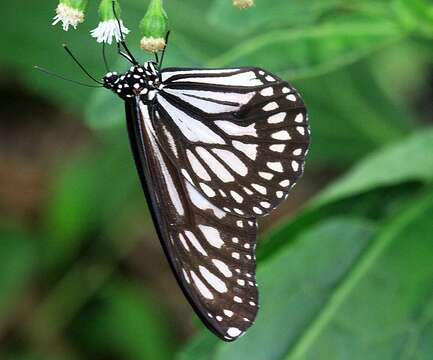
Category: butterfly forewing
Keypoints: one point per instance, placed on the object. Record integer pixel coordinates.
(241, 135)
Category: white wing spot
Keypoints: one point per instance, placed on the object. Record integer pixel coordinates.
(267, 92)
(257, 210)
(236, 255)
(265, 204)
(291, 97)
(300, 130)
(186, 175)
(240, 223)
(270, 78)
(297, 152)
(295, 165)
(281, 135)
(222, 267)
(266, 175)
(248, 191)
(233, 332)
(201, 287)
(240, 282)
(228, 313)
(183, 241)
(212, 236)
(213, 280)
(198, 168)
(207, 190)
(277, 118)
(238, 198)
(219, 318)
(276, 166)
(277, 147)
(185, 275)
(279, 194)
(235, 240)
(237, 299)
(271, 106)
(285, 183)
(299, 118)
(261, 189)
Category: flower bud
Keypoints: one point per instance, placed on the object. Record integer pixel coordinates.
(70, 13)
(154, 27)
(243, 4)
(109, 28)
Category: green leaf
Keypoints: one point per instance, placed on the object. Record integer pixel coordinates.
(308, 52)
(295, 284)
(17, 263)
(409, 160)
(384, 306)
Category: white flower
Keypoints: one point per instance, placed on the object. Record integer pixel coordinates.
(152, 44)
(108, 29)
(68, 16)
(243, 4)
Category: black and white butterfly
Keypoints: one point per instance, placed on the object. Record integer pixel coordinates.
(215, 149)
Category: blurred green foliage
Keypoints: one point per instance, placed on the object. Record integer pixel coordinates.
(348, 277)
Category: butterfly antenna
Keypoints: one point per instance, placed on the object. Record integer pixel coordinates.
(104, 56)
(163, 51)
(79, 64)
(130, 57)
(45, 71)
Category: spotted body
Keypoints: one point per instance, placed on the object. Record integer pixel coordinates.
(215, 149)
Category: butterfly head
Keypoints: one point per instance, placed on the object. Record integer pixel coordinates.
(138, 81)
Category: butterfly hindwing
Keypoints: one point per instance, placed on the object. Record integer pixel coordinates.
(211, 252)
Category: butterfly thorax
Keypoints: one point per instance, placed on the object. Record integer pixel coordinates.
(140, 80)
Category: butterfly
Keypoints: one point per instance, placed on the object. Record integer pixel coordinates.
(215, 149)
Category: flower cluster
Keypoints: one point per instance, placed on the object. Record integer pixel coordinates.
(153, 26)
(71, 13)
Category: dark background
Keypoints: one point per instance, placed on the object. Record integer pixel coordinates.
(345, 265)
